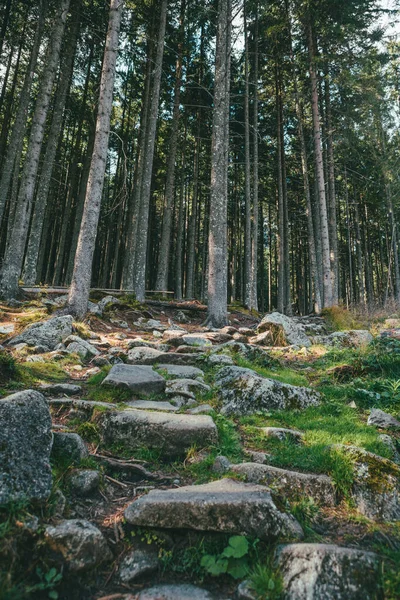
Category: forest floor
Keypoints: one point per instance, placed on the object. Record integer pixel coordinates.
(352, 381)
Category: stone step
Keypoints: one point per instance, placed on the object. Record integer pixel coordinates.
(172, 434)
(316, 571)
(152, 405)
(226, 506)
(139, 379)
(291, 484)
(150, 356)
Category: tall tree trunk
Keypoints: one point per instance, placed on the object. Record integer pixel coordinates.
(163, 261)
(217, 241)
(247, 167)
(319, 172)
(143, 220)
(14, 150)
(5, 18)
(14, 255)
(253, 296)
(51, 149)
(333, 235)
(80, 286)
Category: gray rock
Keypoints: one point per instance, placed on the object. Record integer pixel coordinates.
(376, 487)
(68, 389)
(138, 379)
(221, 465)
(196, 339)
(174, 334)
(7, 329)
(151, 356)
(181, 371)
(100, 361)
(387, 440)
(198, 410)
(25, 445)
(82, 347)
(84, 481)
(280, 433)
(77, 544)
(186, 387)
(152, 405)
(382, 420)
(108, 301)
(262, 339)
(171, 433)
(94, 309)
(141, 343)
(260, 458)
(69, 446)
(222, 506)
(328, 572)
(45, 333)
(291, 484)
(58, 503)
(84, 405)
(137, 563)
(244, 591)
(348, 339)
(244, 392)
(174, 592)
(220, 360)
(293, 333)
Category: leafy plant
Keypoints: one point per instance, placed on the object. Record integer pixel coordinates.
(233, 560)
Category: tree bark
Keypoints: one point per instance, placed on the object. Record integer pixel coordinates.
(30, 272)
(14, 255)
(217, 241)
(80, 286)
(163, 261)
(247, 167)
(14, 150)
(319, 172)
(143, 220)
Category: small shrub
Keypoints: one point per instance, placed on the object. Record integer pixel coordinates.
(233, 560)
(8, 367)
(266, 582)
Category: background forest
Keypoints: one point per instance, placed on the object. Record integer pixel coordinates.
(312, 156)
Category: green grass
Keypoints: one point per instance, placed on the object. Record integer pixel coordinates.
(283, 374)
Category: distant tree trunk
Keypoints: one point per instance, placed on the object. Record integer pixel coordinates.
(14, 150)
(67, 65)
(247, 167)
(333, 235)
(253, 296)
(179, 237)
(143, 220)
(5, 19)
(217, 244)
(14, 255)
(360, 258)
(319, 171)
(191, 243)
(163, 261)
(81, 277)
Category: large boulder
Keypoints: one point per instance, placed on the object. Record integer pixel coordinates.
(77, 544)
(181, 372)
(183, 591)
(151, 356)
(77, 345)
(347, 339)
(328, 572)
(290, 484)
(383, 420)
(293, 333)
(172, 434)
(226, 506)
(25, 446)
(376, 485)
(45, 333)
(244, 392)
(139, 379)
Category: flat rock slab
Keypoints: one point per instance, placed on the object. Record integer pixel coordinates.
(77, 544)
(150, 356)
(25, 446)
(348, 339)
(383, 420)
(226, 506)
(244, 392)
(181, 372)
(152, 405)
(291, 484)
(171, 433)
(280, 433)
(45, 333)
(87, 405)
(196, 339)
(294, 334)
(139, 379)
(376, 487)
(69, 389)
(137, 563)
(328, 572)
(175, 592)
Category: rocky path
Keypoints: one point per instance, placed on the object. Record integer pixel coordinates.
(165, 446)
